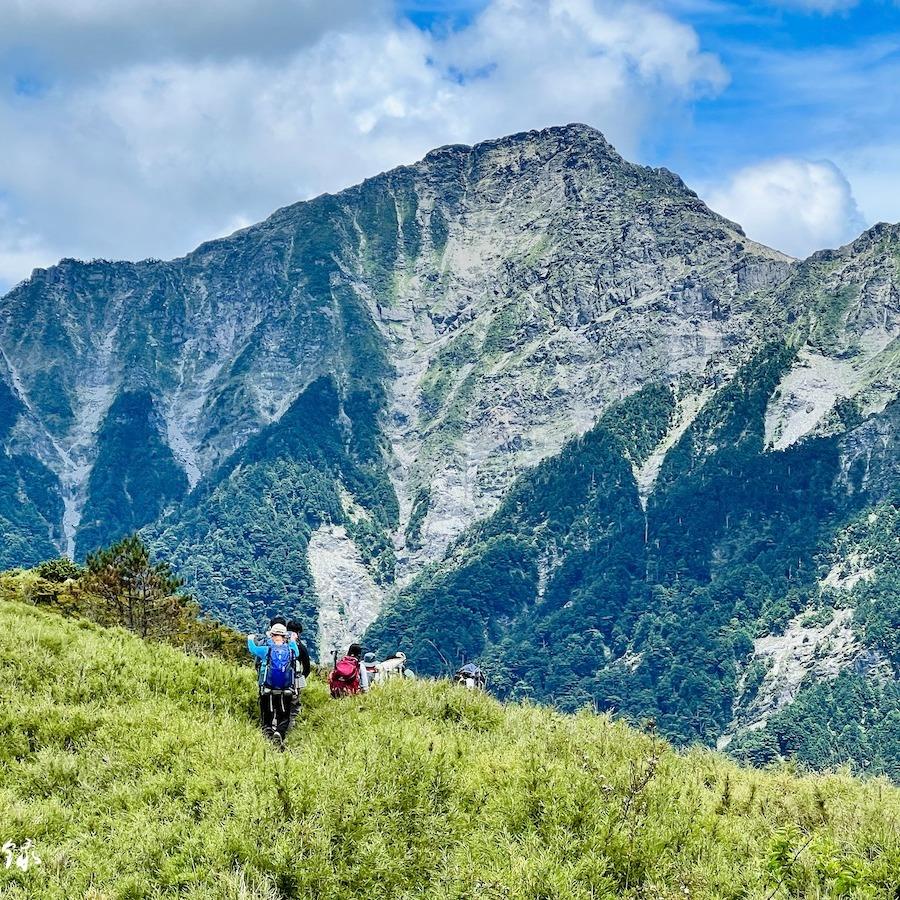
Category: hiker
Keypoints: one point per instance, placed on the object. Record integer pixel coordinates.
(394, 666)
(372, 667)
(471, 677)
(302, 664)
(277, 675)
(349, 675)
(262, 639)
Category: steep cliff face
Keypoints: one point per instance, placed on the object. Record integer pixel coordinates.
(845, 308)
(222, 341)
(483, 305)
(562, 278)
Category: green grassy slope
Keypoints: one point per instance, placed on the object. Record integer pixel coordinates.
(138, 772)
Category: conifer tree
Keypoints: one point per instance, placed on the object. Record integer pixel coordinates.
(135, 592)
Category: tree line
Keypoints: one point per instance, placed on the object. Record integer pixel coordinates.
(123, 585)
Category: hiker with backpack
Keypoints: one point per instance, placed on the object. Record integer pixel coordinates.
(373, 672)
(349, 675)
(394, 667)
(470, 676)
(277, 680)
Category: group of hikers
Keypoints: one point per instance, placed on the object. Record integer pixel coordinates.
(283, 665)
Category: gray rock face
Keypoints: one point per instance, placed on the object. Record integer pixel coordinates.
(870, 459)
(801, 652)
(846, 308)
(565, 278)
(517, 287)
(350, 600)
(215, 338)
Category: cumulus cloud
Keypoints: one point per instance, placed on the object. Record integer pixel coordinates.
(153, 155)
(794, 205)
(19, 251)
(78, 37)
(872, 170)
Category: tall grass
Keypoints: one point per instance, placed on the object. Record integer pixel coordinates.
(139, 772)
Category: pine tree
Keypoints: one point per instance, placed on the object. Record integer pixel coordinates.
(135, 592)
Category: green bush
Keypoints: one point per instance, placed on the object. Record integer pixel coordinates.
(123, 585)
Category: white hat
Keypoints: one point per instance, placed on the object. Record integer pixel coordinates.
(278, 628)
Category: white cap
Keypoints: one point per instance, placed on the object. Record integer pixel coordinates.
(279, 629)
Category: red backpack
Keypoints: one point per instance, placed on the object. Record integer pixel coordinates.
(344, 678)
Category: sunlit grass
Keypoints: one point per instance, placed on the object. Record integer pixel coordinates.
(139, 772)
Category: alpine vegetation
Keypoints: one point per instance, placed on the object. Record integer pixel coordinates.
(131, 769)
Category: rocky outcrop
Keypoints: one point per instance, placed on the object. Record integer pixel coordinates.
(807, 649)
(475, 311)
(349, 599)
(870, 458)
(846, 308)
(310, 412)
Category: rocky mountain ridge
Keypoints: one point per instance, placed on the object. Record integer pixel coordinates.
(473, 252)
(318, 408)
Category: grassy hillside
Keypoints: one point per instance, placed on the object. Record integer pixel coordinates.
(138, 772)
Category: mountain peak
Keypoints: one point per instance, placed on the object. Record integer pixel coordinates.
(879, 232)
(574, 132)
(873, 238)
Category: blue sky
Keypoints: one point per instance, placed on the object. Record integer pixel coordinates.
(136, 128)
(817, 80)
(800, 83)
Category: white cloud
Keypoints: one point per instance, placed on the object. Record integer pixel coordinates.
(873, 171)
(20, 252)
(153, 156)
(794, 205)
(613, 65)
(82, 36)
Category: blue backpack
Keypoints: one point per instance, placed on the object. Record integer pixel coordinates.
(279, 668)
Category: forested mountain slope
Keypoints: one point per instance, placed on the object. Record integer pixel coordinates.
(581, 590)
(137, 771)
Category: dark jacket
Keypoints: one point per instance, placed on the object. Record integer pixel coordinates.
(302, 655)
